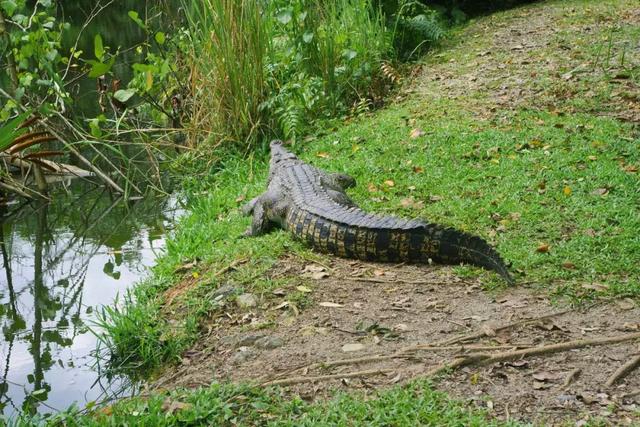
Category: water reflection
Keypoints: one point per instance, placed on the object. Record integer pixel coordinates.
(60, 260)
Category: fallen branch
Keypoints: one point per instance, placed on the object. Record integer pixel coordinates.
(300, 380)
(482, 334)
(623, 371)
(483, 359)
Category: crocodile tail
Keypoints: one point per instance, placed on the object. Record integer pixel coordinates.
(456, 246)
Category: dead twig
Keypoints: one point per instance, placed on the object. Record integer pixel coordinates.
(571, 377)
(300, 380)
(623, 371)
(482, 334)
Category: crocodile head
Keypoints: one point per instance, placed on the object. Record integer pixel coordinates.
(279, 153)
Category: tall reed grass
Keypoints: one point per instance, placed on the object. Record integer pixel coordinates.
(274, 68)
(230, 42)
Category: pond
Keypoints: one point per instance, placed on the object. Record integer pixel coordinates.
(60, 262)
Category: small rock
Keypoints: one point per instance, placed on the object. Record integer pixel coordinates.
(246, 300)
(269, 343)
(224, 291)
(242, 355)
(347, 348)
(566, 400)
(249, 340)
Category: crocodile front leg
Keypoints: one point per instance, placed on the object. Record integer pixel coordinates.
(263, 209)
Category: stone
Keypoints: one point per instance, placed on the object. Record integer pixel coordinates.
(224, 291)
(242, 355)
(249, 340)
(269, 343)
(246, 300)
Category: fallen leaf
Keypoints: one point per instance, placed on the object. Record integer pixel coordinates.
(474, 379)
(410, 202)
(411, 188)
(347, 348)
(543, 248)
(628, 326)
(544, 376)
(539, 385)
(279, 292)
(631, 168)
(171, 406)
(626, 304)
(303, 289)
(372, 187)
(568, 265)
(518, 364)
(281, 306)
(535, 143)
(330, 304)
(323, 155)
(488, 330)
(434, 199)
(418, 169)
(186, 266)
(313, 268)
(600, 192)
(416, 133)
(319, 275)
(592, 158)
(401, 327)
(389, 183)
(600, 287)
(378, 273)
(240, 198)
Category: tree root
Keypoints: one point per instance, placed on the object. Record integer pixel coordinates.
(483, 359)
(482, 334)
(623, 371)
(300, 380)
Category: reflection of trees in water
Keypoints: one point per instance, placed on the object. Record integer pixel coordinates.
(58, 242)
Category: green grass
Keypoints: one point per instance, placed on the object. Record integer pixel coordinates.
(226, 405)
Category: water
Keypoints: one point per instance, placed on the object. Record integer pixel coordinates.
(60, 262)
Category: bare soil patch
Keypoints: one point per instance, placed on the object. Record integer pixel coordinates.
(373, 311)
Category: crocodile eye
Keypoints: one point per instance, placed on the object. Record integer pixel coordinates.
(345, 181)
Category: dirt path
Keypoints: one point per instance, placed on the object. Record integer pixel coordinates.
(358, 310)
(535, 56)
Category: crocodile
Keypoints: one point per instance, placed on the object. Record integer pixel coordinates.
(313, 205)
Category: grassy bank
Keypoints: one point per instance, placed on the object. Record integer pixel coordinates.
(226, 404)
(551, 181)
